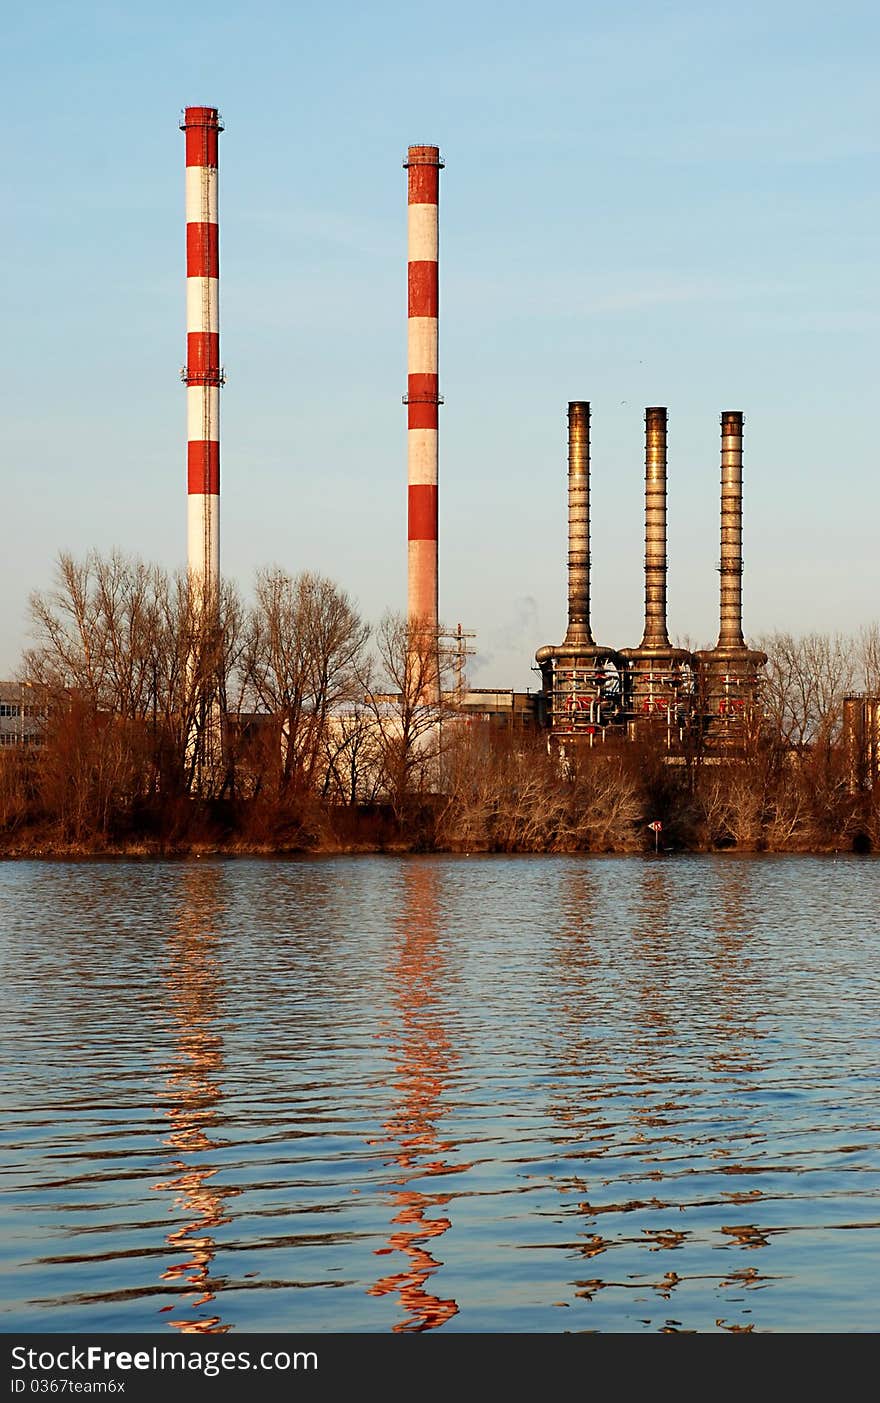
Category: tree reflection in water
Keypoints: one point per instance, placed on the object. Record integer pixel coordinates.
(424, 1059)
(194, 985)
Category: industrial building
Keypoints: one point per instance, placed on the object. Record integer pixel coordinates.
(24, 714)
(590, 691)
(501, 708)
(594, 691)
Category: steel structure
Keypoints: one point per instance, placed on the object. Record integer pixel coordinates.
(202, 373)
(580, 677)
(657, 677)
(590, 691)
(728, 673)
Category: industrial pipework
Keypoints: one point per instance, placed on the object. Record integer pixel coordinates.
(658, 677)
(422, 398)
(580, 679)
(728, 673)
(202, 373)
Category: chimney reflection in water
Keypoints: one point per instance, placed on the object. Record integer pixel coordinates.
(660, 1060)
(640, 1102)
(738, 999)
(424, 1058)
(194, 989)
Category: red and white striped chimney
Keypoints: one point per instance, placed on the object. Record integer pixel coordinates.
(422, 397)
(202, 373)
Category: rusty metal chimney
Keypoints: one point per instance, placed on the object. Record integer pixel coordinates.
(657, 680)
(731, 567)
(656, 634)
(579, 523)
(729, 672)
(580, 681)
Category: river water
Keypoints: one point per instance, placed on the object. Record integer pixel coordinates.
(458, 1094)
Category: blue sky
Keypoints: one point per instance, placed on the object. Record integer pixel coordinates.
(642, 204)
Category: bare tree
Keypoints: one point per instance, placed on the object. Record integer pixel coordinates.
(194, 661)
(407, 720)
(304, 645)
(868, 655)
(120, 641)
(96, 630)
(90, 770)
(352, 761)
(804, 683)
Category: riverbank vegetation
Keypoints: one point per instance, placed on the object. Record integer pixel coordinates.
(290, 727)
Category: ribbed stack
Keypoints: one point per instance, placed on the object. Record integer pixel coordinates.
(731, 634)
(656, 634)
(578, 523)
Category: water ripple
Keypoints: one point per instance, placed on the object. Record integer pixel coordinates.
(492, 1094)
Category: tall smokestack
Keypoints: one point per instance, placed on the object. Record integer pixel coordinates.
(656, 634)
(422, 398)
(729, 673)
(731, 634)
(202, 373)
(580, 691)
(657, 680)
(578, 523)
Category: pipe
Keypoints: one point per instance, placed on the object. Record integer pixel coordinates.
(579, 523)
(656, 634)
(422, 398)
(202, 373)
(731, 567)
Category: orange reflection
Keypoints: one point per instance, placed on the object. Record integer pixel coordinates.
(424, 1057)
(194, 987)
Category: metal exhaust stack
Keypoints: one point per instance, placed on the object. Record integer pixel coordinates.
(728, 673)
(578, 631)
(658, 676)
(731, 567)
(656, 634)
(580, 693)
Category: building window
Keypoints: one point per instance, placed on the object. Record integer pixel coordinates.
(9, 709)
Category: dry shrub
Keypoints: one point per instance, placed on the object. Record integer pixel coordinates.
(607, 806)
(18, 784)
(506, 791)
